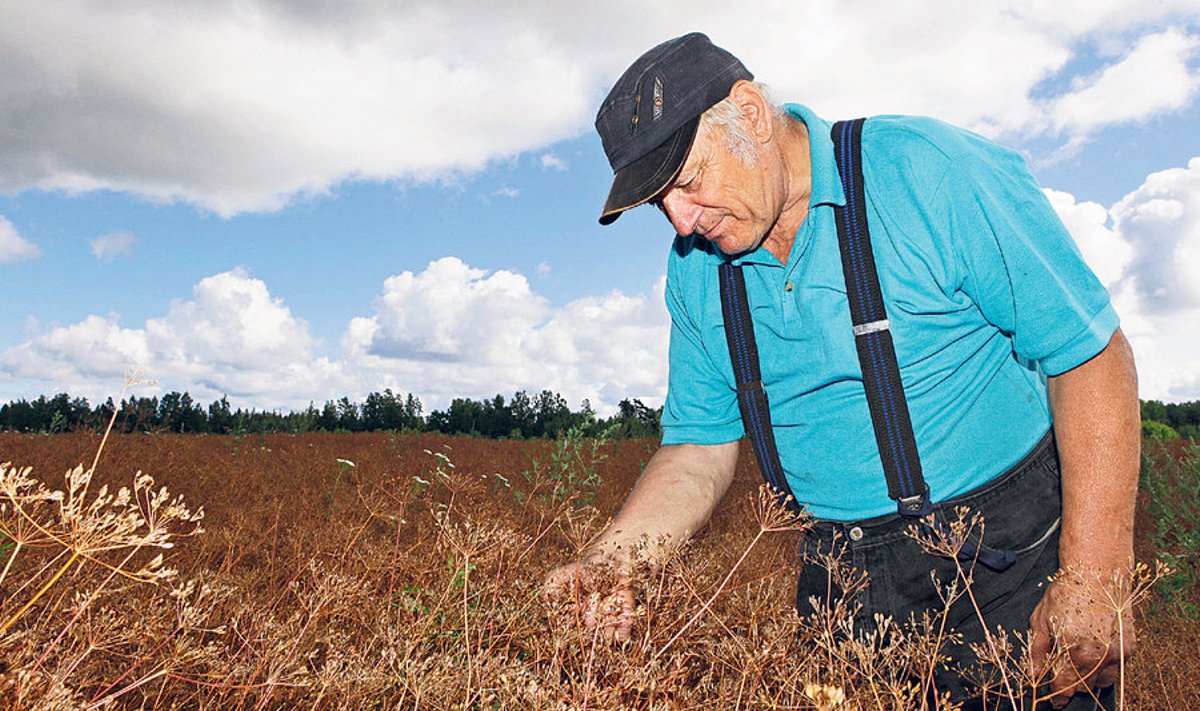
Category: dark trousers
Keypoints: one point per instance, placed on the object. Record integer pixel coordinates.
(1020, 510)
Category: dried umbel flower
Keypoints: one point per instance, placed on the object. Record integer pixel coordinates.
(771, 510)
(130, 518)
(86, 527)
(16, 485)
(826, 697)
(945, 533)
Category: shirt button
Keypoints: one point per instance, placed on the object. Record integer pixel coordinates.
(789, 286)
(856, 534)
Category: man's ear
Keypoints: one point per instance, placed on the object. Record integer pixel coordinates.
(755, 110)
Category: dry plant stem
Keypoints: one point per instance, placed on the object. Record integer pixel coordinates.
(270, 685)
(79, 660)
(45, 566)
(987, 635)
(33, 600)
(111, 697)
(543, 530)
(83, 608)
(135, 663)
(395, 557)
(466, 624)
(1084, 686)
(1121, 658)
(230, 687)
(1139, 580)
(11, 557)
(662, 584)
(76, 551)
(274, 542)
(587, 679)
(709, 602)
(130, 380)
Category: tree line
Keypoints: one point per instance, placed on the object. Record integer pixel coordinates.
(1171, 420)
(522, 416)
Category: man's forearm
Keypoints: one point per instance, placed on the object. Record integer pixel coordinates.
(676, 494)
(1097, 425)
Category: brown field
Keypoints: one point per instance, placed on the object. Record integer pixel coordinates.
(318, 585)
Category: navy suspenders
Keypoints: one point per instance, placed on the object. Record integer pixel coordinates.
(872, 340)
(872, 333)
(752, 396)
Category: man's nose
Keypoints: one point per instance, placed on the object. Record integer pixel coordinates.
(682, 213)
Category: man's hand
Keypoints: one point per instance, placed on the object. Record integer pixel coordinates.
(601, 591)
(674, 497)
(1076, 627)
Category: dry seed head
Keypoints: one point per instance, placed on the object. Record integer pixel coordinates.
(580, 526)
(772, 512)
(17, 485)
(945, 534)
(826, 697)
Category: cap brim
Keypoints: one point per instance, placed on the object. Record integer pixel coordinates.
(649, 175)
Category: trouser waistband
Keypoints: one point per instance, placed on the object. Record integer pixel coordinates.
(1044, 451)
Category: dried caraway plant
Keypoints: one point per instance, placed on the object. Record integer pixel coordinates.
(426, 594)
(72, 549)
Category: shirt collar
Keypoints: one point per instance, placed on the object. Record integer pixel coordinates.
(826, 183)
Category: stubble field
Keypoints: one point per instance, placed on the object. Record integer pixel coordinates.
(403, 571)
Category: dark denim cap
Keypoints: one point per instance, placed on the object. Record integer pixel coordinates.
(648, 121)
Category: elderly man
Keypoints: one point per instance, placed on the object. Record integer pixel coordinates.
(916, 286)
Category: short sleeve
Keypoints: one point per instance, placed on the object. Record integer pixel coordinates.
(701, 405)
(1019, 264)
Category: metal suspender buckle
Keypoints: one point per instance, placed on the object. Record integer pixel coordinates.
(864, 329)
(915, 505)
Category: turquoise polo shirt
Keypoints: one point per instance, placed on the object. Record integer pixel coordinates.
(985, 291)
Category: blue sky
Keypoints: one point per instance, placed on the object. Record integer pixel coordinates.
(290, 202)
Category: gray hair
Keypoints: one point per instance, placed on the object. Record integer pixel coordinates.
(726, 116)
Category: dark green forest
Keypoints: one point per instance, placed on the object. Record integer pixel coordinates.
(522, 416)
(1171, 420)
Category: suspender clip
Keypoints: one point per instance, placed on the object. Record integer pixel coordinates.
(915, 505)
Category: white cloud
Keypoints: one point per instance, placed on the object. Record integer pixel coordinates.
(543, 268)
(96, 348)
(109, 246)
(613, 345)
(14, 247)
(1146, 249)
(231, 338)
(507, 191)
(242, 106)
(1105, 252)
(448, 331)
(230, 320)
(1154, 77)
(453, 313)
(1162, 219)
(549, 161)
(456, 331)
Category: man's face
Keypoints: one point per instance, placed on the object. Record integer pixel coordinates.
(720, 197)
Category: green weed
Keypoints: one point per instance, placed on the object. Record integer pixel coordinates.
(343, 466)
(1173, 484)
(572, 473)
